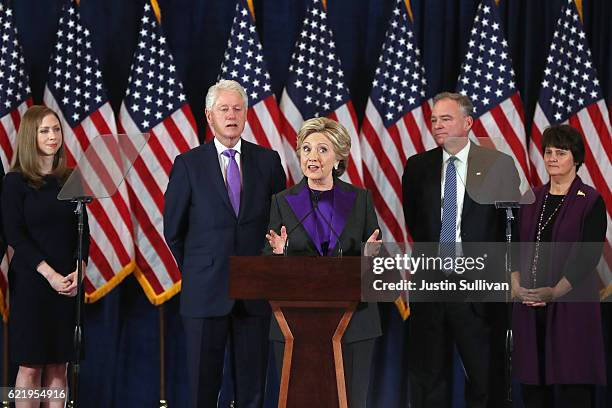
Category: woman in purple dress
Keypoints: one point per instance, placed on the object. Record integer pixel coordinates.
(556, 320)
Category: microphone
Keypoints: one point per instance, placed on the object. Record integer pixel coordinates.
(315, 202)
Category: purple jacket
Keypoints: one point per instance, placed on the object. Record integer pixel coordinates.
(574, 352)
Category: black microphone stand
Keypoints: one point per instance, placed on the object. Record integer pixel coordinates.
(316, 208)
(78, 332)
(300, 222)
(314, 198)
(509, 342)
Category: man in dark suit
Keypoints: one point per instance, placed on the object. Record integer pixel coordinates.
(454, 212)
(217, 204)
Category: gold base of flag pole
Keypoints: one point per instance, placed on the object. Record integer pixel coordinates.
(5, 359)
(162, 358)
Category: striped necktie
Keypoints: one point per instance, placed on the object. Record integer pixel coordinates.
(448, 232)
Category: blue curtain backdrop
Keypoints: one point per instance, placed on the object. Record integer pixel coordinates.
(121, 368)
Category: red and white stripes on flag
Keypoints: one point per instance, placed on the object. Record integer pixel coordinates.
(487, 77)
(244, 62)
(504, 126)
(9, 125)
(315, 87)
(155, 104)
(15, 99)
(396, 124)
(570, 93)
(75, 92)
(292, 120)
(111, 249)
(385, 152)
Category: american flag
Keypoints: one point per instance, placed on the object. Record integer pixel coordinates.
(315, 87)
(14, 101)
(155, 104)
(570, 93)
(15, 95)
(74, 90)
(244, 62)
(396, 123)
(487, 78)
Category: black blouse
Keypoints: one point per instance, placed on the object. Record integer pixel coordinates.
(593, 231)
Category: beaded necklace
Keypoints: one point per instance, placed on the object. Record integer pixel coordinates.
(540, 229)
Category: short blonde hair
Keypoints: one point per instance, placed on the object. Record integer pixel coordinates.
(335, 132)
(225, 85)
(25, 158)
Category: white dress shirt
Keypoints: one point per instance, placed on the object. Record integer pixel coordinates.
(461, 169)
(224, 160)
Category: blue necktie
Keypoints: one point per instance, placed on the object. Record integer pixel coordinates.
(233, 179)
(448, 232)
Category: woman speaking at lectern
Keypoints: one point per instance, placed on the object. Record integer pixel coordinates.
(336, 218)
(43, 272)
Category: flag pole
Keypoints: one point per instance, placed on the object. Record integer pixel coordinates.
(162, 316)
(162, 358)
(409, 8)
(156, 10)
(251, 8)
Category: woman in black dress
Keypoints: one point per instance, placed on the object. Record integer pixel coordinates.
(43, 233)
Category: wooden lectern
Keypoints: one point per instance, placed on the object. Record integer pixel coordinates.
(313, 299)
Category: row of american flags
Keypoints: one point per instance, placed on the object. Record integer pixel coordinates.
(126, 231)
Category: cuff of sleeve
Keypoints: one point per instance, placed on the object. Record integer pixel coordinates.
(35, 261)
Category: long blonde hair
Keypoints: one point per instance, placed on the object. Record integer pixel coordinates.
(26, 156)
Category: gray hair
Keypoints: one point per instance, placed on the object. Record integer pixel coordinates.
(465, 104)
(225, 85)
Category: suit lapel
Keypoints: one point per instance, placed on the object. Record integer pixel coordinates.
(344, 201)
(475, 173)
(249, 177)
(300, 203)
(211, 161)
(435, 199)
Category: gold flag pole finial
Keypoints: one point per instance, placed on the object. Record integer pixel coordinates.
(409, 8)
(251, 7)
(156, 10)
(580, 10)
(402, 307)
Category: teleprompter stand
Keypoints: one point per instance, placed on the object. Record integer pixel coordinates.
(99, 173)
(497, 179)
